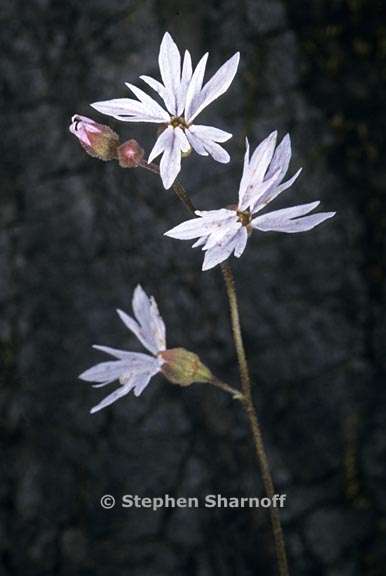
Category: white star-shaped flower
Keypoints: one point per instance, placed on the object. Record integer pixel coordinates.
(184, 97)
(134, 370)
(221, 232)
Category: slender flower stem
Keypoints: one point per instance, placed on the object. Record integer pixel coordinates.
(237, 394)
(246, 396)
(249, 408)
(177, 187)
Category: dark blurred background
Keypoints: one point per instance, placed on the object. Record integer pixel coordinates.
(77, 235)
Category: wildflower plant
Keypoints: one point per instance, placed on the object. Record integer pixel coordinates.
(219, 232)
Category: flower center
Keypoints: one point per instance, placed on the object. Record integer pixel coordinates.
(178, 122)
(244, 217)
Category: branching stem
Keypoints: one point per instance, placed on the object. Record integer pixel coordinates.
(246, 395)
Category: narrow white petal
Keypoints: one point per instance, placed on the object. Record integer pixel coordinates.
(288, 183)
(215, 215)
(113, 397)
(200, 242)
(222, 233)
(245, 175)
(219, 253)
(203, 226)
(193, 91)
(104, 371)
(298, 225)
(215, 87)
(186, 77)
(136, 359)
(210, 146)
(216, 151)
(261, 158)
(160, 144)
(158, 325)
(283, 220)
(129, 110)
(210, 133)
(103, 384)
(196, 143)
(281, 159)
(256, 191)
(141, 383)
(150, 104)
(292, 212)
(188, 230)
(183, 142)
(156, 85)
(146, 312)
(242, 239)
(138, 331)
(170, 164)
(170, 67)
(273, 192)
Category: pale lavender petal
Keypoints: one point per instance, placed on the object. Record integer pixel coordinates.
(138, 360)
(245, 176)
(129, 110)
(196, 143)
(210, 133)
(104, 371)
(292, 212)
(242, 239)
(160, 144)
(200, 242)
(141, 383)
(150, 104)
(196, 227)
(182, 140)
(281, 159)
(255, 191)
(261, 159)
(186, 77)
(283, 220)
(103, 384)
(214, 88)
(152, 326)
(158, 325)
(170, 67)
(273, 192)
(214, 215)
(170, 164)
(113, 397)
(216, 151)
(204, 142)
(223, 233)
(304, 224)
(195, 85)
(137, 330)
(219, 253)
(156, 85)
(188, 230)
(289, 182)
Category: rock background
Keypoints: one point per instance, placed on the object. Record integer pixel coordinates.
(76, 235)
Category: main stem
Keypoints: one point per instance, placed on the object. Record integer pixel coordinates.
(246, 397)
(249, 408)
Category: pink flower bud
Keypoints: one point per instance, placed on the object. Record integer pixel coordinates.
(98, 140)
(130, 154)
